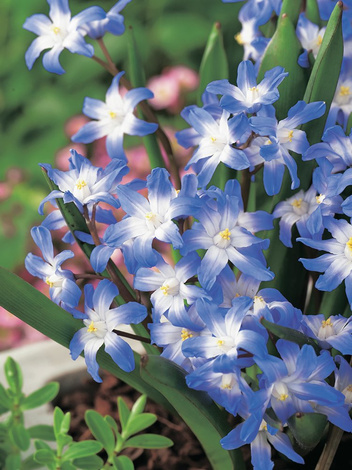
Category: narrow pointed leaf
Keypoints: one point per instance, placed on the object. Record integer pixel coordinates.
(138, 423)
(204, 418)
(139, 405)
(291, 9)
(124, 412)
(312, 12)
(324, 77)
(283, 50)
(214, 65)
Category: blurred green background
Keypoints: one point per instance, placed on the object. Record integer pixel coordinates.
(36, 104)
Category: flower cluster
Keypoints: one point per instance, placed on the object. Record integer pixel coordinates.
(207, 310)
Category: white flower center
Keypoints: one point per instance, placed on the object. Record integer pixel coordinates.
(222, 239)
(153, 220)
(300, 207)
(326, 329)
(348, 249)
(171, 286)
(280, 391)
(347, 391)
(228, 381)
(97, 328)
(54, 280)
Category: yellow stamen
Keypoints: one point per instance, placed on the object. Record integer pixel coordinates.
(344, 90)
(268, 142)
(349, 244)
(283, 397)
(50, 284)
(225, 234)
(348, 388)
(320, 198)
(319, 40)
(91, 327)
(239, 39)
(213, 139)
(290, 136)
(165, 289)
(226, 387)
(56, 29)
(81, 184)
(326, 323)
(149, 215)
(253, 88)
(258, 298)
(185, 334)
(297, 203)
(112, 114)
(220, 342)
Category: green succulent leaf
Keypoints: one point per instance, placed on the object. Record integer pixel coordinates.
(82, 449)
(13, 375)
(138, 423)
(112, 423)
(93, 462)
(124, 412)
(100, 430)
(5, 400)
(39, 445)
(139, 405)
(44, 456)
(312, 12)
(20, 436)
(148, 441)
(13, 462)
(40, 397)
(122, 462)
(42, 431)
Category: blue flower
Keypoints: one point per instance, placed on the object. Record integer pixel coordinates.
(216, 140)
(248, 96)
(310, 37)
(337, 265)
(63, 288)
(282, 137)
(114, 118)
(98, 328)
(218, 232)
(58, 33)
(113, 23)
(84, 183)
(170, 288)
(145, 220)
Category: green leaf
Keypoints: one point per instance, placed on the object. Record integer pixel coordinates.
(89, 463)
(19, 436)
(204, 418)
(13, 375)
(63, 440)
(307, 429)
(40, 397)
(39, 444)
(100, 430)
(44, 456)
(312, 12)
(13, 462)
(61, 421)
(148, 441)
(138, 423)
(324, 77)
(5, 400)
(82, 449)
(139, 405)
(290, 334)
(112, 423)
(284, 49)
(30, 464)
(349, 125)
(67, 466)
(291, 9)
(122, 462)
(124, 412)
(214, 65)
(42, 431)
(35, 309)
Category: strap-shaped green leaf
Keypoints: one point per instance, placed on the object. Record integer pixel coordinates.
(325, 74)
(284, 49)
(204, 418)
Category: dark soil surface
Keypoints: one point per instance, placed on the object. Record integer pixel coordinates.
(81, 393)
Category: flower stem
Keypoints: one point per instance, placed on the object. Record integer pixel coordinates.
(330, 449)
(132, 336)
